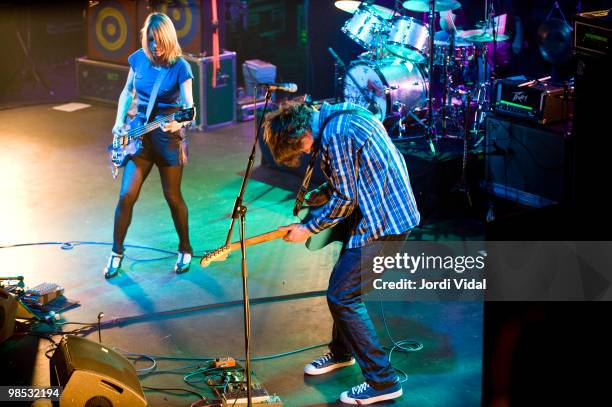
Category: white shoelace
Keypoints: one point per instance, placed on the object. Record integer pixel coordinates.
(360, 389)
(324, 359)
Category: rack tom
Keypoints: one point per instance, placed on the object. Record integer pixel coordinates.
(408, 39)
(367, 27)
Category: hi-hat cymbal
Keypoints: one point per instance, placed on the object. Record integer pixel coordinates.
(423, 5)
(351, 6)
(481, 36)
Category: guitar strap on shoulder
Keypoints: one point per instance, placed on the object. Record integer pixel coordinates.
(299, 200)
(160, 77)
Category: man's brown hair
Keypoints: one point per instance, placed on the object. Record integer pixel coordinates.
(284, 130)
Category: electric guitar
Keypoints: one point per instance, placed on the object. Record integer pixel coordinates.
(339, 233)
(119, 154)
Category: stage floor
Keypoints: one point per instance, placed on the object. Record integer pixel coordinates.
(57, 187)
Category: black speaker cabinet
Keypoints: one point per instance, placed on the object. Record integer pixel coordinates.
(216, 106)
(592, 140)
(94, 375)
(8, 309)
(100, 81)
(524, 162)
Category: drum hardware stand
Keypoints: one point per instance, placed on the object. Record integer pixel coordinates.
(463, 184)
(431, 128)
(403, 111)
(339, 67)
(487, 82)
(448, 82)
(239, 212)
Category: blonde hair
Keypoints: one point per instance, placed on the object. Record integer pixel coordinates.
(161, 28)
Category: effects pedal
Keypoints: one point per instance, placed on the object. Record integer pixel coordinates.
(224, 362)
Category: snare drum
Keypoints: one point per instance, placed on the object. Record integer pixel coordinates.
(366, 27)
(408, 39)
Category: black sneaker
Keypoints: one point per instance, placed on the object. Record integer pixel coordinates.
(366, 394)
(327, 363)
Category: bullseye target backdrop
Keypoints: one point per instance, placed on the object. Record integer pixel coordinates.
(112, 30)
(187, 18)
(192, 20)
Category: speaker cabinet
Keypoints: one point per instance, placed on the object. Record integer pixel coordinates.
(216, 106)
(8, 309)
(524, 162)
(592, 137)
(94, 375)
(100, 81)
(112, 30)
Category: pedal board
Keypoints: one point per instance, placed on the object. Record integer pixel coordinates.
(234, 392)
(44, 293)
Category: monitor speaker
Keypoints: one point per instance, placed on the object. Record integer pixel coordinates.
(93, 375)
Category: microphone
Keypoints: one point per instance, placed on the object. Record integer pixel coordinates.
(336, 57)
(287, 86)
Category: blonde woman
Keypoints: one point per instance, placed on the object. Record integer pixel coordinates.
(164, 147)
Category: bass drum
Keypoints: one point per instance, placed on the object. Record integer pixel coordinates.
(381, 86)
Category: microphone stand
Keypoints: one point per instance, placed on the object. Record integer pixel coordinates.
(339, 72)
(239, 212)
(431, 129)
(494, 32)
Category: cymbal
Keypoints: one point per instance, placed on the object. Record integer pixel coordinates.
(351, 6)
(423, 5)
(481, 36)
(555, 41)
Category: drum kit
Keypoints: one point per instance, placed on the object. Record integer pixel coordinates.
(408, 79)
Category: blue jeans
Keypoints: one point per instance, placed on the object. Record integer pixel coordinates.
(353, 331)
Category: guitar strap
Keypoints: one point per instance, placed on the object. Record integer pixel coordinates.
(299, 200)
(160, 77)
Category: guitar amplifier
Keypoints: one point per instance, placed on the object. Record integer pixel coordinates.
(216, 106)
(524, 163)
(536, 101)
(100, 81)
(593, 33)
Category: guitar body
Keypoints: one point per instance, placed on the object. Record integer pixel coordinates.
(339, 233)
(120, 154)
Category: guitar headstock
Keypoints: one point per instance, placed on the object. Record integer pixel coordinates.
(184, 115)
(219, 254)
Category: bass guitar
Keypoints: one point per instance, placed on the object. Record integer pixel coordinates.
(119, 154)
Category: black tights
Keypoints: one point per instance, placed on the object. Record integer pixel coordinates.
(134, 174)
